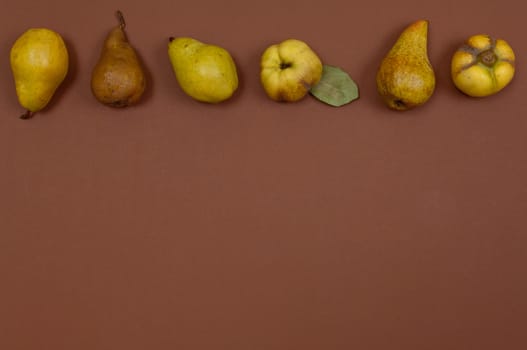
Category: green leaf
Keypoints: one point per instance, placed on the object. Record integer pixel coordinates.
(335, 87)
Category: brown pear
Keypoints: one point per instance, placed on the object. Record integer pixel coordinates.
(118, 79)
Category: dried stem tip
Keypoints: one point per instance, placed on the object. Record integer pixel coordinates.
(120, 18)
(27, 115)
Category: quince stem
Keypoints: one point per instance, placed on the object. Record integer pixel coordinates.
(488, 58)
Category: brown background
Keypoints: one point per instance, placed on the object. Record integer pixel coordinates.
(259, 225)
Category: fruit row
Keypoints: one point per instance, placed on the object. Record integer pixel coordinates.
(290, 70)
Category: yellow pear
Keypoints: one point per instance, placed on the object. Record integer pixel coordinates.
(205, 72)
(118, 79)
(39, 62)
(405, 78)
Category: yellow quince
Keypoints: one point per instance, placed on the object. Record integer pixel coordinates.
(482, 66)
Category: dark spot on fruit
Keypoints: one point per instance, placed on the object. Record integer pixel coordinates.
(399, 103)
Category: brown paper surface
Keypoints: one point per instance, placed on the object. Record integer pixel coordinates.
(253, 224)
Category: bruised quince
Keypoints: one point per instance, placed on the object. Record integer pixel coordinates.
(482, 66)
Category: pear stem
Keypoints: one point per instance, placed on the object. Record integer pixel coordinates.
(120, 18)
(27, 115)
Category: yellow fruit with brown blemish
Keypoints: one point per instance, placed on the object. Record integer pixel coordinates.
(482, 66)
(406, 78)
(288, 70)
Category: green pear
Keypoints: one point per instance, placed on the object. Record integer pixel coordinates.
(39, 62)
(405, 78)
(205, 72)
